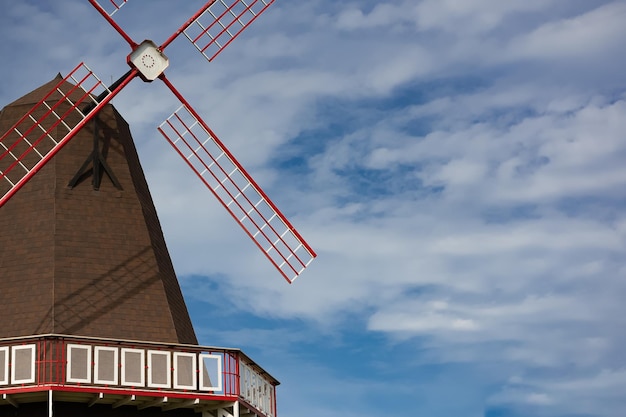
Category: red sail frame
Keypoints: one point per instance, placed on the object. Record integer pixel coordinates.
(30, 144)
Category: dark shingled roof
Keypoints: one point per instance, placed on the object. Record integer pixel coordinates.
(84, 262)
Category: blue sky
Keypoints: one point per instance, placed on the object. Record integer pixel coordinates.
(457, 165)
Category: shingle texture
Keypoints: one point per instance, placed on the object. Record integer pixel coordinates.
(84, 262)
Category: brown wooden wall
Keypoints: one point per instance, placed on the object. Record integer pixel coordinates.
(84, 262)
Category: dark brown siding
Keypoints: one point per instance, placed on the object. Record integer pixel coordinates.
(84, 262)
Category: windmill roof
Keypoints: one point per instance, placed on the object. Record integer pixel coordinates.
(84, 262)
(36, 95)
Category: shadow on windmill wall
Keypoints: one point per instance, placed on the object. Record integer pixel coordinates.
(86, 310)
(96, 166)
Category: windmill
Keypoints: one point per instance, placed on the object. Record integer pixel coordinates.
(77, 99)
(93, 321)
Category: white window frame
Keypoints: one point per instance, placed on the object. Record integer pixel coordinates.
(218, 359)
(70, 348)
(4, 377)
(151, 354)
(116, 365)
(194, 369)
(142, 354)
(33, 349)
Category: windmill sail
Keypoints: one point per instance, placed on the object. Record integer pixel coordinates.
(221, 23)
(38, 135)
(33, 140)
(218, 169)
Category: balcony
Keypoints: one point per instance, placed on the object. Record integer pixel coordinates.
(217, 381)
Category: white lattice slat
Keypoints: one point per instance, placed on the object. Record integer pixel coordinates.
(221, 23)
(237, 191)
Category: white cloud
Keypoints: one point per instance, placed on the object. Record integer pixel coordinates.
(588, 33)
(460, 173)
(382, 15)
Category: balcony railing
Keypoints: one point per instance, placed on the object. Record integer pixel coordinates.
(139, 369)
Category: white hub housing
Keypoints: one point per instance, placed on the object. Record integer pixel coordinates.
(149, 60)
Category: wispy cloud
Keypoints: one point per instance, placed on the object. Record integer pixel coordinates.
(458, 166)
